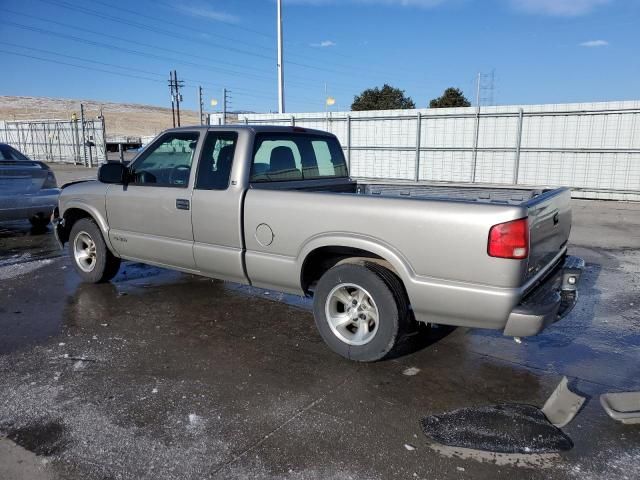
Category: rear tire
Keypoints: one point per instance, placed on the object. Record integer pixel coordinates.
(90, 256)
(39, 222)
(361, 311)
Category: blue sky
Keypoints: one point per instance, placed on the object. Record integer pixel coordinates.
(542, 51)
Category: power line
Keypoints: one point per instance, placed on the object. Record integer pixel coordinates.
(126, 21)
(128, 50)
(110, 72)
(120, 20)
(141, 53)
(119, 38)
(180, 25)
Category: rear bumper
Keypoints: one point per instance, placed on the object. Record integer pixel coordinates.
(23, 206)
(548, 302)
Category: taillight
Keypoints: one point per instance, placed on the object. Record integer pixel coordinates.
(50, 181)
(509, 240)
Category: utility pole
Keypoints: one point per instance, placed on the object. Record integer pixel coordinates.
(200, 104)
(280, 62)
(478, 86)
(225, 104)
(173, 98)
(177, 85)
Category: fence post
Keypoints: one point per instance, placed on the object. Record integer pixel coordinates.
(84, 139)
(293, 120)
(246, 120)
(104, 137)
(476, 139)
(516, 164)
(418, 135)
(349, 143)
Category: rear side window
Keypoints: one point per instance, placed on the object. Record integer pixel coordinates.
(291, 156)
(8, 153)
(216, 161)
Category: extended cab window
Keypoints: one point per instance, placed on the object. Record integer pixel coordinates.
(296, 156)
(216, 161)
(167, 162)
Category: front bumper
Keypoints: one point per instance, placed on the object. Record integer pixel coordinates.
(58, 228)
(548, 302)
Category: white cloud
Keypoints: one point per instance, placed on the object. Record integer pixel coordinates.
(324, 44)
(595, 43)
(207, 12)
(561, 8)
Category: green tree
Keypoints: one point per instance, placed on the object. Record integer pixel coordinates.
(452, 97)
(385, 98)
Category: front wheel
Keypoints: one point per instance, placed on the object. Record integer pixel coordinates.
(91, 258)
(361, 311)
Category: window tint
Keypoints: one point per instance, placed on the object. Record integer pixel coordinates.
(167, 162)
(281, 157)
(216, 161)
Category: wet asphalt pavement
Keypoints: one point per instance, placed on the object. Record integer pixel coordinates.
(164, 375)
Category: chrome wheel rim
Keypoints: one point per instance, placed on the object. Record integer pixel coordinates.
(84, 252)
(352, 314)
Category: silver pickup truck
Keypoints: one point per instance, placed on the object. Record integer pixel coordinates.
(274, 207)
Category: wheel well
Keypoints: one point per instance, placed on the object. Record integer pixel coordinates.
(324, 258)
(71, 216)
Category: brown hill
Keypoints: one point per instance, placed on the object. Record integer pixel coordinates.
(121, 118)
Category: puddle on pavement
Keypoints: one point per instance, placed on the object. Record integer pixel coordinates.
(286, 298)
(44, 438)
(19, 239)
(505, 428)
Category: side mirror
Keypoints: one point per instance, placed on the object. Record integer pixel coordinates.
(113, 172)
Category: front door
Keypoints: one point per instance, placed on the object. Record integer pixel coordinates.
(150, 217)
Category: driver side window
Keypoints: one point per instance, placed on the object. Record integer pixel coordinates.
(168, 162)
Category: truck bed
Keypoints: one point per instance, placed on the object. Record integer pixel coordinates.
(448, 192)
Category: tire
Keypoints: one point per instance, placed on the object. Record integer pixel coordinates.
(362, 339)
(39, 222)
(89, 254)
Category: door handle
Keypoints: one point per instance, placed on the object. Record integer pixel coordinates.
(182, 204)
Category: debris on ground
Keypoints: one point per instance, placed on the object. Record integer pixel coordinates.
(623, 407)
(504, 428)
(563, 405)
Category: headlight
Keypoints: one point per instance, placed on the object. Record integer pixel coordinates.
(50, 181)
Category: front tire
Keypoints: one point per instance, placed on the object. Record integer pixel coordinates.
(361, 311)
(91, 258)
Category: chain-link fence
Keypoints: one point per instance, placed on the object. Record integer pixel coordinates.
(593, 148)
(64, 141)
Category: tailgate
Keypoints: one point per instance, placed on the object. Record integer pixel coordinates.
(549, 227)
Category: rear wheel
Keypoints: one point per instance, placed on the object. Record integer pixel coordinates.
(91, 258)
(361, 311)
(39, 221)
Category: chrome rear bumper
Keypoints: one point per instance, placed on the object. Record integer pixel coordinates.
(549, 302)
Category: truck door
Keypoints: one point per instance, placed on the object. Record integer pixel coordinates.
(150, 217)
(217, 207)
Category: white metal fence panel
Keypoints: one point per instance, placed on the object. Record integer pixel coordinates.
(61, 141)
(592, 147)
